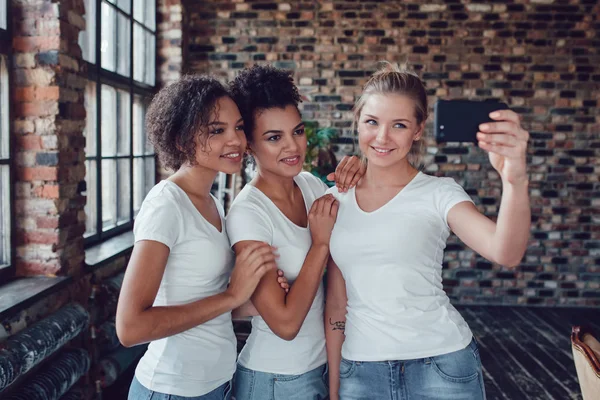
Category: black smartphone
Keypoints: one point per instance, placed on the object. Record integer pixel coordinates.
(459, 120)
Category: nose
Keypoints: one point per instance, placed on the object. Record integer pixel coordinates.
(237, 138)
(290, 144)
(382, 134)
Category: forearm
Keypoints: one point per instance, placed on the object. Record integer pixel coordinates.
(335, 324)
(302, 293)
(159, 322)
(513, 224)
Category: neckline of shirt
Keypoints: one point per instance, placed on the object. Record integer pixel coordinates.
(397, 195)
(279, 210)
(191, 203)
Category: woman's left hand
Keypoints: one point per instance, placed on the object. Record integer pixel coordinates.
(348, 172)
(506, 142)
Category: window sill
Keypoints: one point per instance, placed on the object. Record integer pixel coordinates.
(105, 252)
(23, 292)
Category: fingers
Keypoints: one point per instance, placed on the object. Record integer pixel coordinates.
(505, 115)
(339, 169)
(250, 249)
(505, 151)
(261, 256)
(344, 177)
(509, 122)
(498, 139)
(331, 176)
(334, 209)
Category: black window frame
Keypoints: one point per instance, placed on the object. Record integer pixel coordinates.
(101, 76)
(7, 270)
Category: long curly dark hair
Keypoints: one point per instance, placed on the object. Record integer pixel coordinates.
(178, 114)
(262, 87)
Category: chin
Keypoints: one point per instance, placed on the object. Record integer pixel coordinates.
(228, 168)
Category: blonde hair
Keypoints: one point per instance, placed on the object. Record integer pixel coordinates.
(398, 79)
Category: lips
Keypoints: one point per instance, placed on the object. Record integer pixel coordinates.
(295, 160)
(235, 156)
(382, 150)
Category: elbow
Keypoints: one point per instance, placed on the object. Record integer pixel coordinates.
(510, 260)
(287, 333)
(126, 333)
(287, 330)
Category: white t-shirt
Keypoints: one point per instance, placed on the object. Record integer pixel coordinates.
(197, 361)
(391, 259)
(253, 216)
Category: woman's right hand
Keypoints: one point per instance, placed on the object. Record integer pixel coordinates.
(250, 266)
(321, 218)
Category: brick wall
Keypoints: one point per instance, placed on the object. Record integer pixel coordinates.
(540, 56)
(49, 121)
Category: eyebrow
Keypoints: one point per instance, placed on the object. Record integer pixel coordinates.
(280, 131)
(397, 119)
(223, 123)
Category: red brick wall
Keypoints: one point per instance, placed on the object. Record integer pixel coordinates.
(542, 57)
(48, 128)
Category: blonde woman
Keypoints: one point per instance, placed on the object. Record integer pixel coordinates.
(391, 330)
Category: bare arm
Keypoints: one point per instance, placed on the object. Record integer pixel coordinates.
(506, 240)
(248, 310)
(139, 322)
(285, 314)
(335, 324)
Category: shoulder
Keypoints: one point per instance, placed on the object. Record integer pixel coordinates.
(164, 195)
(311, 182)
(247, 204)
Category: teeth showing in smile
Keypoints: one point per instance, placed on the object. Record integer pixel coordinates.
(291, 159)
(232, 155)
(382, 151)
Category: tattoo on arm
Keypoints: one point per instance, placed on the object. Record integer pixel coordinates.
(337, 325)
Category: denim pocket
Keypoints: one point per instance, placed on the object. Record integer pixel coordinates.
(347, 367)
(459, 367)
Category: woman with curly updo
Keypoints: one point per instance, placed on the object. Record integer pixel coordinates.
(175, 292)
(284, 356)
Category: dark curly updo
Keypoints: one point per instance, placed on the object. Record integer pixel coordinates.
(178, 114)
(262, 87)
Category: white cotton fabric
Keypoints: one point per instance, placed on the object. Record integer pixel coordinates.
(197, 361)
(391, 260)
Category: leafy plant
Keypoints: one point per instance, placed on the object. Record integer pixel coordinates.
(320, 159)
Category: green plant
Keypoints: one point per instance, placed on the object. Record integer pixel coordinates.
(320, 159)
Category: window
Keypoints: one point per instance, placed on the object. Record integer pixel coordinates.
(120, 48)
(6, 222)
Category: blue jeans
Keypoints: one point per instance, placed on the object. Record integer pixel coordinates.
(452, 376)
(255, 385)
(137, 391)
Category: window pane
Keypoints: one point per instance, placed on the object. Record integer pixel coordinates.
(150, 19)
(3, 14)
(124, 193)
(124, 137)
(109, 194)
(124, 5)
(144, 55)
(139, 184)
(87, 37)
(144, 174)
(4, 215)
(4, 116)
(90, 120)
(150, 59)
(109, 121)
(139, 115)
(123, 44)
(91, 206)
(150, 166)
(109, 36)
